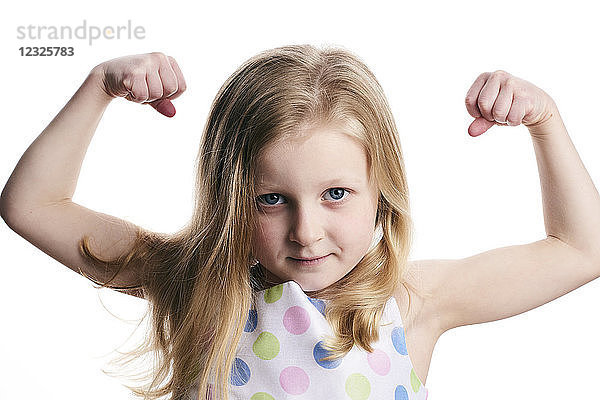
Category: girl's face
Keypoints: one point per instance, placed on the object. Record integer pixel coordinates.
(314, 199)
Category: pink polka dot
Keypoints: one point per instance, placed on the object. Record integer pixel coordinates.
(294, 380)
(296, 320)
(379, 362)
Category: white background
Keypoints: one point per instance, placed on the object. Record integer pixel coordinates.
(468, 194)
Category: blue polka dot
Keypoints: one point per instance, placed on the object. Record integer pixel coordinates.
(320, 352)
(319, 304)
(240, 372)
(400, 393)
(251, 321)
(399, 340)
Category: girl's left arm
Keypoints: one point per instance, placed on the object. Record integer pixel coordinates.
(570, 200)
(503, 282)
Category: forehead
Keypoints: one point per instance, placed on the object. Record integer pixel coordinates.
(318, 155)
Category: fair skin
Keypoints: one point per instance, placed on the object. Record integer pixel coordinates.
(37, 203)
(315, 198)
(510, 280)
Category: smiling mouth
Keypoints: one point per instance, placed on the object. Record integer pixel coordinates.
(310, 262)
(308, 259)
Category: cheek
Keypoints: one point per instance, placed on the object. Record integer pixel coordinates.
(267, 233)
(357, 226)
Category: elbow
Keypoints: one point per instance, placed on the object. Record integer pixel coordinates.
(593, 255)
(596, 260)
(8, 211)
(4, 202)
(589, 251)
(4, 207)
(5, 212)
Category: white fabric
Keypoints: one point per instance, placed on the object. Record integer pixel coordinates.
(277, 356)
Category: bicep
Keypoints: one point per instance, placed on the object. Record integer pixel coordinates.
(506, 281)
(57, 229)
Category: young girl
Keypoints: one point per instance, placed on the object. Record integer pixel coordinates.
(292, 278)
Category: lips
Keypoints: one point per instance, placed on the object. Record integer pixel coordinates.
(308, 258)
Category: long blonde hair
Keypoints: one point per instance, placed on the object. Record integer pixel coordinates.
(199, 281)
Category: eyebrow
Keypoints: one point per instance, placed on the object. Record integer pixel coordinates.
(347, 181)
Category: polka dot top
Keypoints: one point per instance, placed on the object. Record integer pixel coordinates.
(278, 355)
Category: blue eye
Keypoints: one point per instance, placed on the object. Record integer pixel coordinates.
(337, 194)
(270, 196)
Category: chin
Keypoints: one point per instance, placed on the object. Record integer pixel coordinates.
(313, 286)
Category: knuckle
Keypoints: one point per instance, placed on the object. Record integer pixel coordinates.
(510, 83)
(174, 64)
(520, 92)
(163, 59)
(138, 71)
(149, 63)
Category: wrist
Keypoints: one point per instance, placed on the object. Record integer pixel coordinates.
(551, 123)
(95, 80)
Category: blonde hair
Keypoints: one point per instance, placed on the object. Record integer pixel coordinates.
(199, 281)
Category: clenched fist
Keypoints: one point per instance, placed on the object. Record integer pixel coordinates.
(499, 98)
(152, 78)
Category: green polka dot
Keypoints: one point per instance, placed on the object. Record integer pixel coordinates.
(261, 396)
(358, 387)
(273, 294)
(266, 346)
(415, 383)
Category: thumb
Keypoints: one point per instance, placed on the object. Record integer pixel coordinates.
(479, 125)
(163, 106)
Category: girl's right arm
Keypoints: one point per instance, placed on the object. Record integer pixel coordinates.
(36, 201)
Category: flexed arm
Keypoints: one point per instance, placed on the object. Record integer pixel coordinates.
(571, 202)
(37, 199)
(510, 280)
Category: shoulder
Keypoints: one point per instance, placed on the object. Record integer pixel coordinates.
(423, 312)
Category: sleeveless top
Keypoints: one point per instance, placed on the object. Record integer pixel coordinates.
(280, 354)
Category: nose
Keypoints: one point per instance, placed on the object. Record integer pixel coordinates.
(307, 227)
